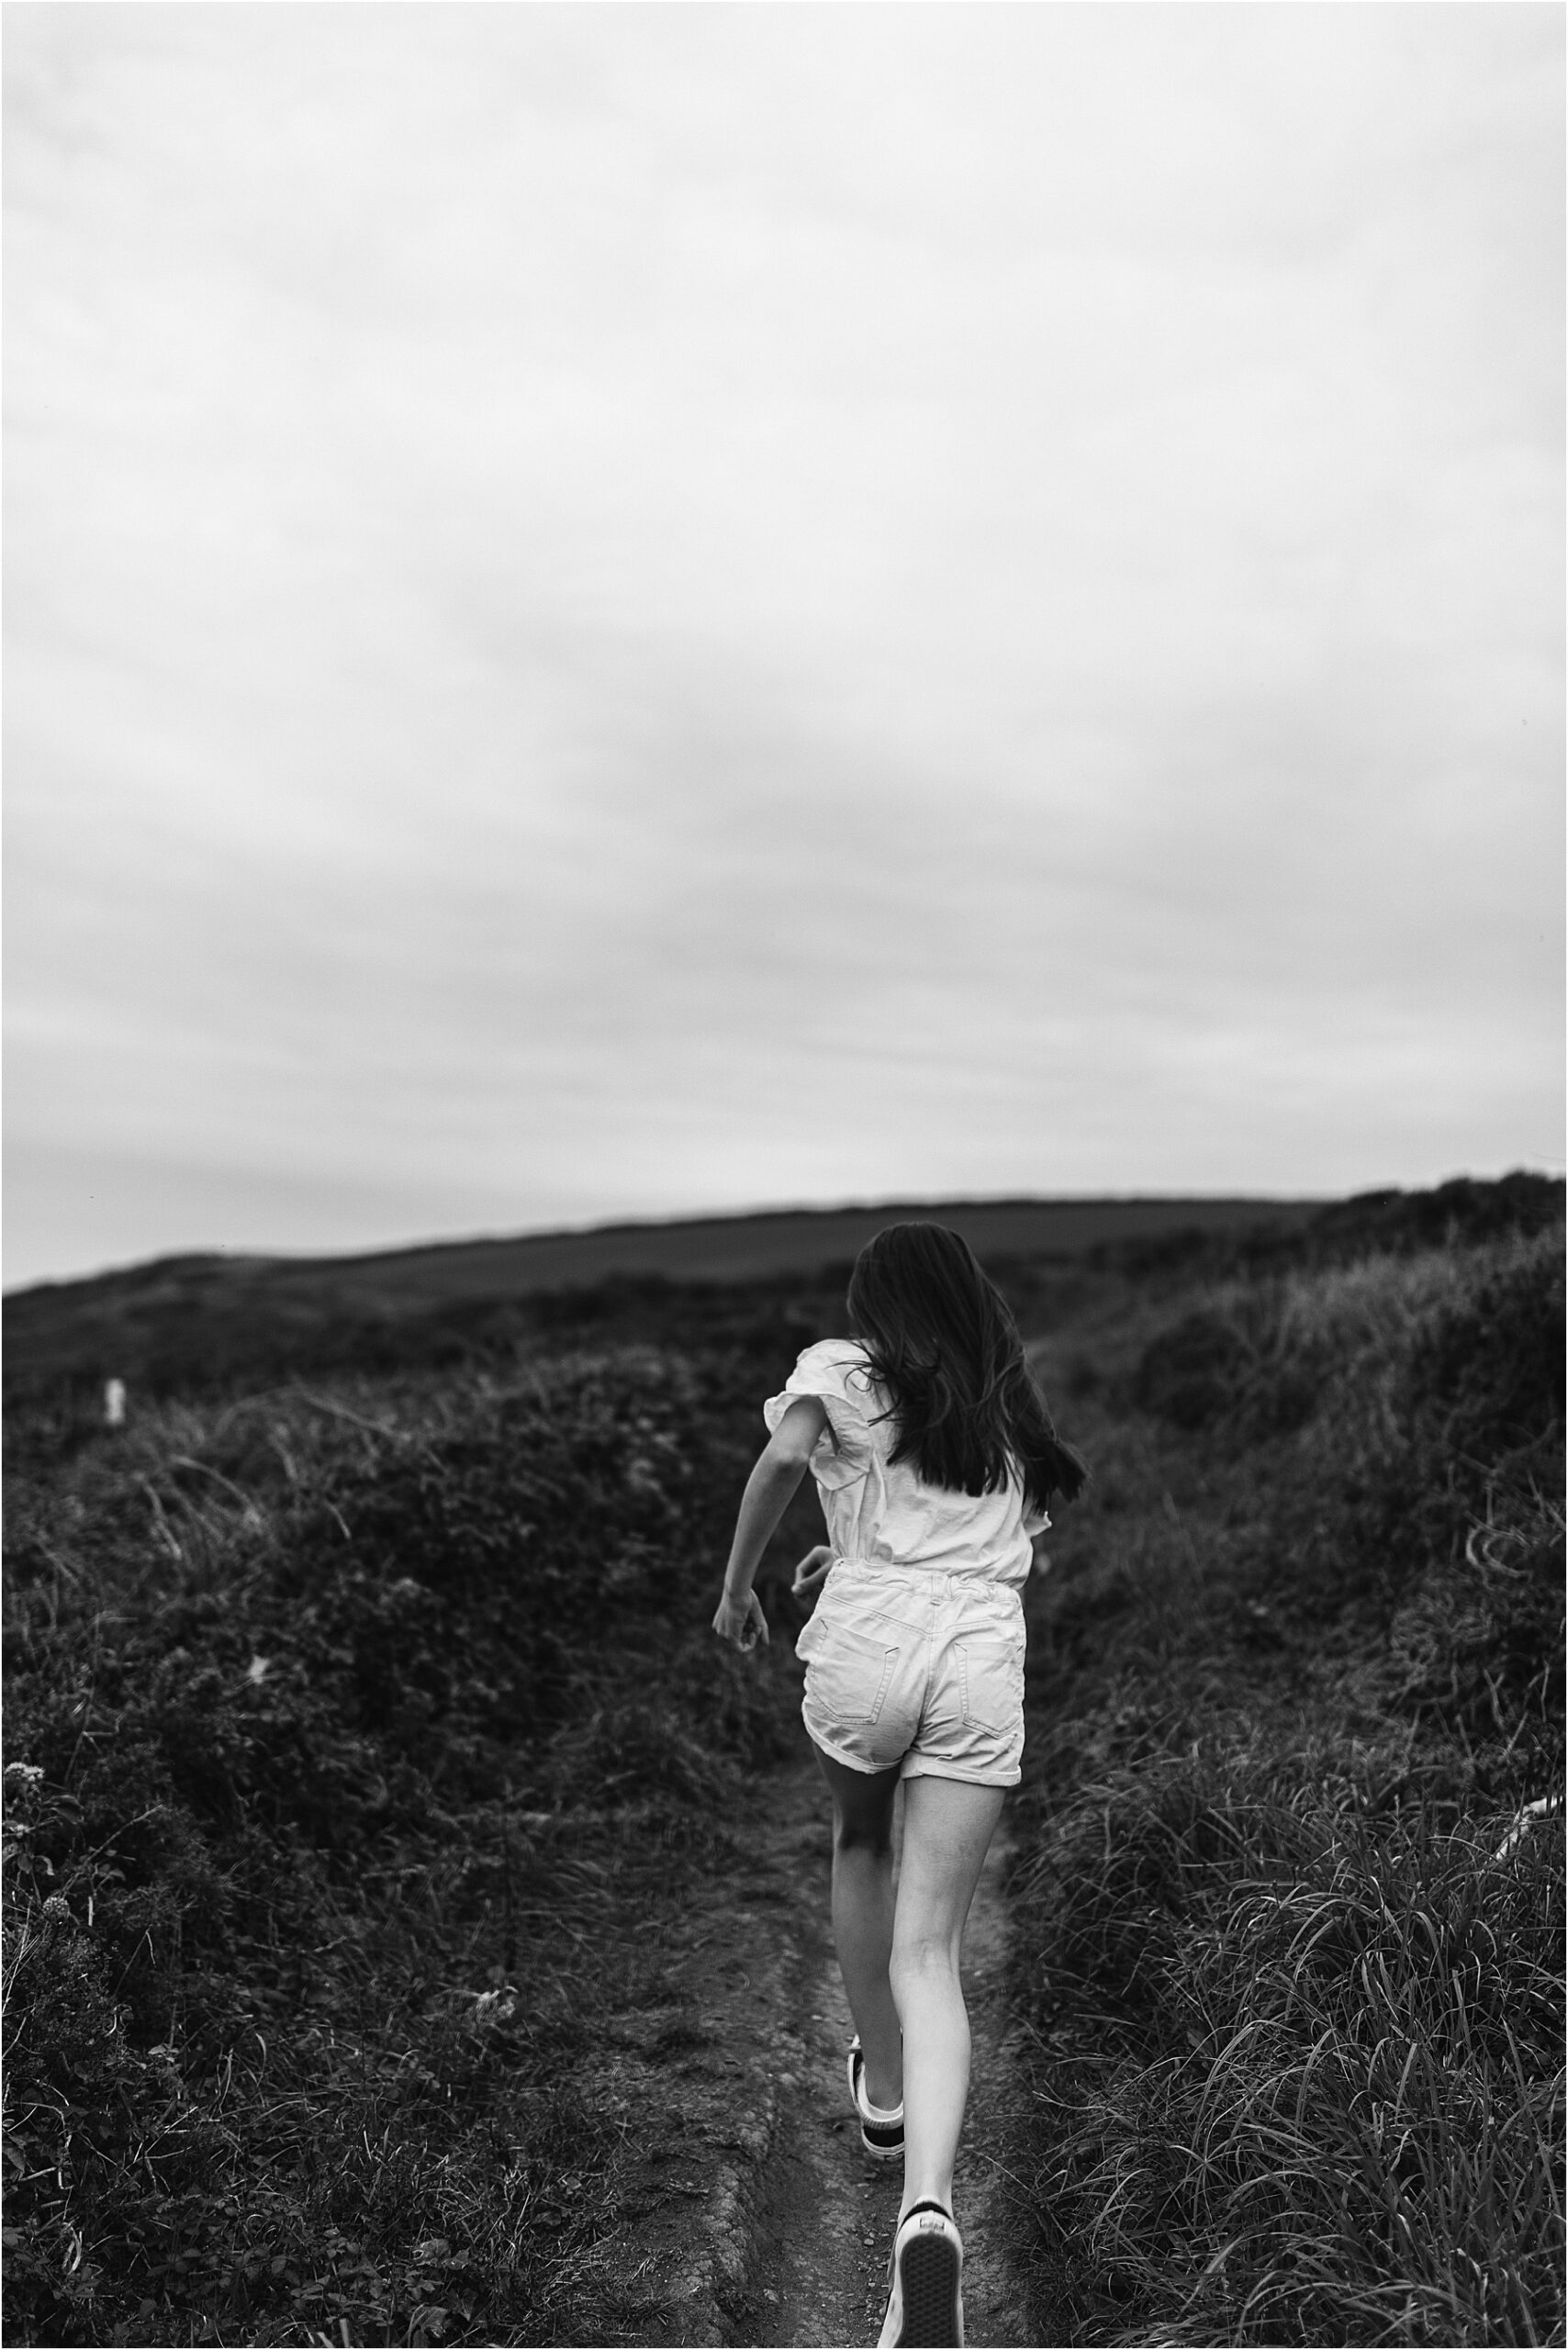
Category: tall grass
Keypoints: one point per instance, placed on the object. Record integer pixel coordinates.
(362, 1743)
(1293, 1964)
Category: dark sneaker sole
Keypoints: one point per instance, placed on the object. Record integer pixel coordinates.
(930, 2269)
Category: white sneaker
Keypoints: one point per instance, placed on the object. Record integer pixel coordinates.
(881, 2134)
(925, 2300)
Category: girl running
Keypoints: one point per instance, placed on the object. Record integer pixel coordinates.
(934, 1459)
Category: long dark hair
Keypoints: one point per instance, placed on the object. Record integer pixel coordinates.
(940, 1341)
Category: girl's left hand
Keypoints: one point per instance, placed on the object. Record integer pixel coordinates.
(741, 1627)
(812, 1569)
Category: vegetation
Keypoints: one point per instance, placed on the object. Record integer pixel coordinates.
(364, 1745)
(1291, 1904)
(366, 1751)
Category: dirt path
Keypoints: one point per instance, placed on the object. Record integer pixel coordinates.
(762, 2220)
(825, 2212)
(758, 2217)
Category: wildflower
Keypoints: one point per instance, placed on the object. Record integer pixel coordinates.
(1525, 1821)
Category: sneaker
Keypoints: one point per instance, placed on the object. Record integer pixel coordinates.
(925, 2298)
(881, 2134)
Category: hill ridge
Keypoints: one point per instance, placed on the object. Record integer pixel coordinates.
(1125, 1209)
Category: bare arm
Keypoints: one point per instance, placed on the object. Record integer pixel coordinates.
(768, 1489)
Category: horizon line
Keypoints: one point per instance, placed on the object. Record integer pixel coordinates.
(752, 1215)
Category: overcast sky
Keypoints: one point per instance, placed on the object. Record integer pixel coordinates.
(626, 610)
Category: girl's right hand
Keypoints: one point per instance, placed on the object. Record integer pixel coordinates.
(812, 1569)
(741, 1622)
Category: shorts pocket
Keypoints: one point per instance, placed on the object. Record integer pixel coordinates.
(848, 1673)
(991, 1680)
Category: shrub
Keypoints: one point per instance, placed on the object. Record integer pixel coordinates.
(343, 1727)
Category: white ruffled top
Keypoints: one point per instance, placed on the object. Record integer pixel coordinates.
(879, 1510)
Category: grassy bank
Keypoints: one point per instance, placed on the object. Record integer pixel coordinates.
(362, 1743)
(1290, 1941)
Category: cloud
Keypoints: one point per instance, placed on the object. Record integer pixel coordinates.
(619, 610)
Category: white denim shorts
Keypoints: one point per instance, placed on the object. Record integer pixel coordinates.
(925, 1670)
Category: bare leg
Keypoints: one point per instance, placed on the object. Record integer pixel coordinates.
(947, 1825)
(863, 1916)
